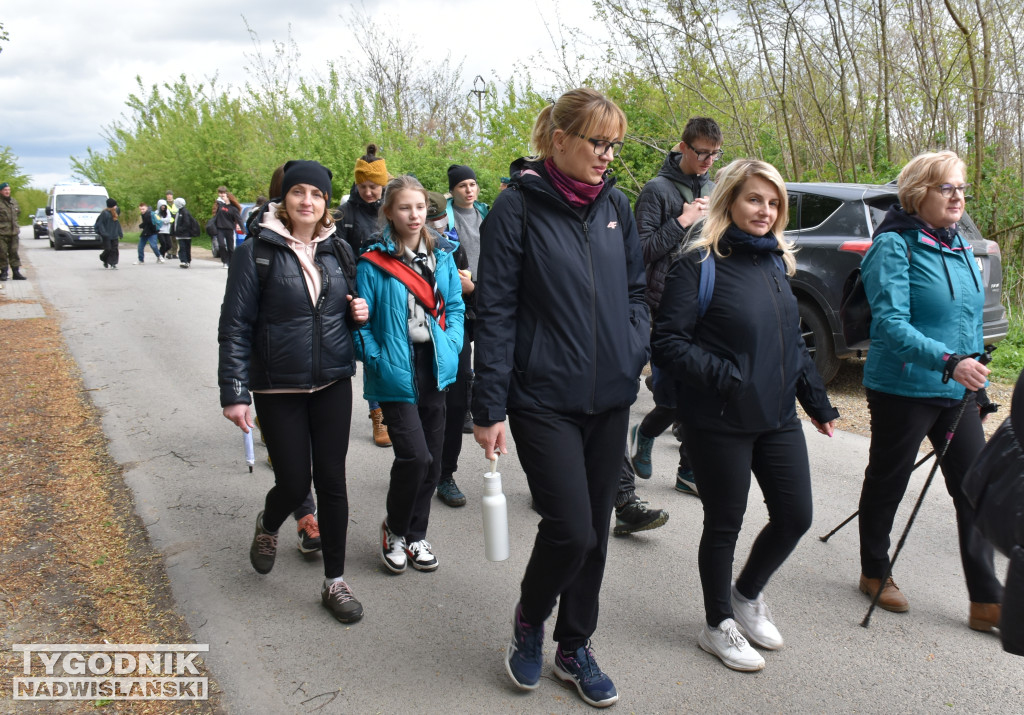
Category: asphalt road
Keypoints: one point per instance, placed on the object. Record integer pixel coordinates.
(145, 339)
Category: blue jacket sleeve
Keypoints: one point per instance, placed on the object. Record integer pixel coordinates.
(367, 279)
(885, 272)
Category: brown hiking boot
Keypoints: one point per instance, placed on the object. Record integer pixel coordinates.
(380, 430)
(891, 599)
(984, 616)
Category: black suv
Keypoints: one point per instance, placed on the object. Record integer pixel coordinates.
(831, 225)
(39, 223)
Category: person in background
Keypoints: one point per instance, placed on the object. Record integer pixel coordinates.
(410, 353)
(169, 197)
(148, 227)
(926, 295)
(9, 232)
(109, 229)
(359, 219)
(186, 227)
(304, 397)
(562, 334)
(668, 206)
(465, 215)
(504, 183)
(455, 402)
(740, 368)
(226, 217)
(163, 215)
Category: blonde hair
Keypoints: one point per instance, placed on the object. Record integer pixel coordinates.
(923, 172)
(396, 186)
(578, 112)
(728, 185)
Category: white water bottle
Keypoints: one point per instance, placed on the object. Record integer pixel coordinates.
(495, 513)
(250, 453)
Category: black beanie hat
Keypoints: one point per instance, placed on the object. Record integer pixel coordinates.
(111, 204)
(307, 172)
(457, 173)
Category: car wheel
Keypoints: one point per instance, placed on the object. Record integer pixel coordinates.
(818, 339)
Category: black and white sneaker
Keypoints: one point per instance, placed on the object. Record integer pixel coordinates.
(635, 515)
(392, 549)
(421, 555)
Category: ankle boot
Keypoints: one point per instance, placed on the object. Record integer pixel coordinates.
(16, 273)
(640, 452)
(3, 275)
(380, 430)
(892, 599)
(984, 616)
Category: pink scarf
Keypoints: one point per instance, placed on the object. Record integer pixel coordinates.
(577, 193)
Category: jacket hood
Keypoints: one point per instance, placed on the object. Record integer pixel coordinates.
(531, 175)
(357, 201)
(897, 220)
(671, 171)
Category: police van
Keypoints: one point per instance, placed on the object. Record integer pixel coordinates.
(71, 213)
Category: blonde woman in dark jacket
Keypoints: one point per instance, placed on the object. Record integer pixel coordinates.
(740, 368)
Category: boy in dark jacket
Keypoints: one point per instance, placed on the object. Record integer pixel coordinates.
(667, 208)
(147, 235)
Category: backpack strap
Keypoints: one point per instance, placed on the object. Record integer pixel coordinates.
(263, 253)
(706, 288)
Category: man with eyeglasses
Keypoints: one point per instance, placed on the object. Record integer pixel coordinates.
(668, 207)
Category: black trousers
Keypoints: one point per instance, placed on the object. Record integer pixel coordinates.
(572, 466)
(722, 464)
(307, 439)
(898, 426)
(227, 244)
(417, 433)
(110, 253)
(185, 250)
(455, 407)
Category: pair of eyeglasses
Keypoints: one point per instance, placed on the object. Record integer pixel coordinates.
(602, 147)
(703, 155)
(947, 189)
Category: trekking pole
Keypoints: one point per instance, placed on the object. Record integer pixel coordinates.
(983, 358)
(853, 516)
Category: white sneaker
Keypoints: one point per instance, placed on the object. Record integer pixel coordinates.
(732, 648)
(421, 555)
(392, 549)
(159, 259)
(138, 263)
(756, 620)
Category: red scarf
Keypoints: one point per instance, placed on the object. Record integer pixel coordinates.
(577, 193)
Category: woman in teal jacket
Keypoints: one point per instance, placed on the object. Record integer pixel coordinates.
(410, 352)
(926, 297)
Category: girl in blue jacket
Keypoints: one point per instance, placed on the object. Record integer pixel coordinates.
(410, 353)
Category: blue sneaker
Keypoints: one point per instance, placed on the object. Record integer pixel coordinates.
(525, 653)
(580, 669)
(640, 452)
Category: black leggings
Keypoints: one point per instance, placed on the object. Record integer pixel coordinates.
(721, 465)
(417, 433)
(898, 425)
(572, 466)
(307, 438)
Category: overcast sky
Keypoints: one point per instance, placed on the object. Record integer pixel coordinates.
(69, 65)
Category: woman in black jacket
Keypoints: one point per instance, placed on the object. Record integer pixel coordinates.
(285, 341)
(109, 229)
(563, 333)
(740, 367)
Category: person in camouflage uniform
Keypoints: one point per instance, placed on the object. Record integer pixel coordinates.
(9, 234)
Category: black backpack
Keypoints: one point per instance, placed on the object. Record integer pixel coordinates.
(855, 310)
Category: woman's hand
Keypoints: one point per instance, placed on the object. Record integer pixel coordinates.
(970, 373)
(826, 428)
(359, 309)
(492, 439)
(467, 282)
(240, 415)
